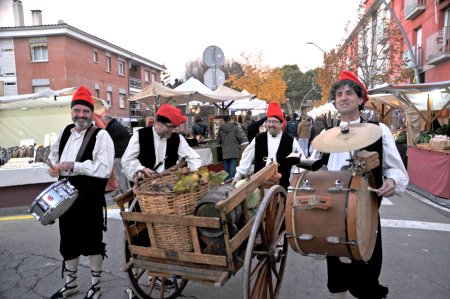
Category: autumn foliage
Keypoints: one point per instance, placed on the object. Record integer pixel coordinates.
(266, 83)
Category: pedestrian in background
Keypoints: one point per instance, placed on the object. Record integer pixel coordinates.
(292, 125)
(303, 130)
(246, 123)
(120, 136)
(199, 128)
(253, 128)
(231, 137)
(317, 127)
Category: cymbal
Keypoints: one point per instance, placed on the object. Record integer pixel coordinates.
(335, 140)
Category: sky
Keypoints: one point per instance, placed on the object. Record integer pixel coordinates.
(177, 31)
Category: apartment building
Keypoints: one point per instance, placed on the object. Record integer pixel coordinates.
(426, 33)
(38, 57)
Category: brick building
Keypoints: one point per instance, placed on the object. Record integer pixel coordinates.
(38, 57)
(426, 26)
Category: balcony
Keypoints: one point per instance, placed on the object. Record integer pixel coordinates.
(134, 83)
(438, 46)
(413, 8)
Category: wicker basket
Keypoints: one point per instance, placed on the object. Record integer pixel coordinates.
(168, 236)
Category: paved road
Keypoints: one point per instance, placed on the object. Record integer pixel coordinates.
(416, 241)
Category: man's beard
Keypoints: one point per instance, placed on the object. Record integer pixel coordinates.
(82, 123)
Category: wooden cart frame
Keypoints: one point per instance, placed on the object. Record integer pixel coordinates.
(260, 245)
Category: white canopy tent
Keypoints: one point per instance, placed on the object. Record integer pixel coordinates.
(38, 115)
(421, 102)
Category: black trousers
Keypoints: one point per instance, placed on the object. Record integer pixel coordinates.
(359, 278)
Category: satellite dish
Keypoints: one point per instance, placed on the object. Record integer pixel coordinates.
(213, 56)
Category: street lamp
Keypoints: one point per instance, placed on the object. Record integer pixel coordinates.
(311, 43)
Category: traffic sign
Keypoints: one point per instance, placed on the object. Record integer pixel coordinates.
(213, 78)
(213, 56)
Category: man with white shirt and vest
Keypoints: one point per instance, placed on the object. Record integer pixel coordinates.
(84, 155)
(273, 145)
(361, 278)
(156, 148)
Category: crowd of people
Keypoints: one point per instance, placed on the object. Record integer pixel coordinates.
(86, 156)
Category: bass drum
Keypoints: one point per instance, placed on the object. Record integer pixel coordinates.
(53, 202)
(331, 213)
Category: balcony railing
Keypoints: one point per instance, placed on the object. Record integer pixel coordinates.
(413, 8)
(135, 83)
(438, 46)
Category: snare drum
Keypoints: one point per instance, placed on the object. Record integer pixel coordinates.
(331, 213)
(53, 202)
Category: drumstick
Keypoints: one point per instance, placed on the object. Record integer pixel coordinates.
(377, 190)
(373, 189)
(45, 159)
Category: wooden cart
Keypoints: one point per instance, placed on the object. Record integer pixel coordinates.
(259, 246)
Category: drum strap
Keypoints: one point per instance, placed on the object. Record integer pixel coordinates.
(86, 139)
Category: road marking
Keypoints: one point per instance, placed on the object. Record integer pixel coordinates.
(444, 227)
(386, 202)
(19, 217)
(435, 226)
(427, 201)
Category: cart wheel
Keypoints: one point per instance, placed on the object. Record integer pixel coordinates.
(146, 287)
(267, 247)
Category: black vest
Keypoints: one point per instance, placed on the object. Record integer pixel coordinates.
(283, 151)
(377, 172)
(147, 155)
(84, 184)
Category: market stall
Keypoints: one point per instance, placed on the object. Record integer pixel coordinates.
(193, 91)
(429, 170)
(423, 104)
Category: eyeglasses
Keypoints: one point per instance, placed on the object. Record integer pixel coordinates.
(169, 126)
(274, 122)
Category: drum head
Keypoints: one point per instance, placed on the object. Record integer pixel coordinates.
(366, 219)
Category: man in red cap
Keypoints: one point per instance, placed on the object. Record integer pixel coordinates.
(84, 155)
(273, 145)
(158, 147)
(361, 278)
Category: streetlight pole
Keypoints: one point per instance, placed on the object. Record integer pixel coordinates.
(311, 43)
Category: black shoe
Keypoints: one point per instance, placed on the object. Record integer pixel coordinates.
(94, 292)
(65, 292)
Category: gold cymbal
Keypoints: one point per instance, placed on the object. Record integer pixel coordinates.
(335, 140)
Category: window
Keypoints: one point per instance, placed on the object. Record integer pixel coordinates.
(39, 53)
(153, 77)
(37, 89)
(121, 100)
(95, 56)
(39, 50)
(97, 93)
(146, 75)
(121, 68)
(108, 64)
(109, 98)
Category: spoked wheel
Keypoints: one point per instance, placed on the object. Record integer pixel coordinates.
(266, 253)
(145, 286)
(151, 287)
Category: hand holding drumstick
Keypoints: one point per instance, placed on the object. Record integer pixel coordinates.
(386, 190)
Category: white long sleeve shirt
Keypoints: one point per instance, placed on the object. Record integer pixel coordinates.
(102, 161)
(248, 156)
(392, 163)
(131, 163)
